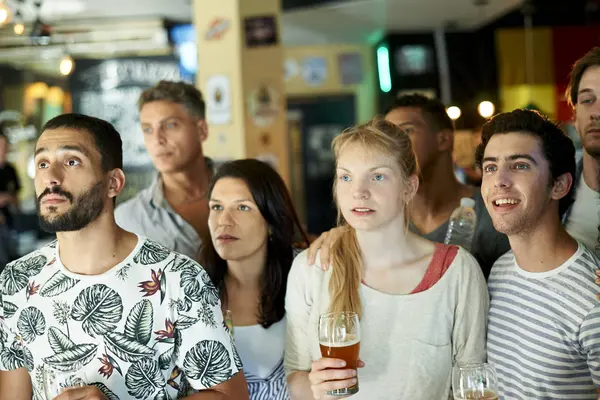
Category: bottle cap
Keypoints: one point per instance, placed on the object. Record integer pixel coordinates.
(467, 202)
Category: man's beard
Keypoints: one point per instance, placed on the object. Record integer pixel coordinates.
(520, 226)
(591, 145)
(526, 222)
(85, 208)
(593, 149)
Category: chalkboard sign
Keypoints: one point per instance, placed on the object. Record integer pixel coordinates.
(109, 89)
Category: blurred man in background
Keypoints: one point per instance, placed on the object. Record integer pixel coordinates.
(583, 219)
(9, 184)
(173, 210)
(9, 189)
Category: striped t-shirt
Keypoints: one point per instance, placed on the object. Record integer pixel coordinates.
(544, 329)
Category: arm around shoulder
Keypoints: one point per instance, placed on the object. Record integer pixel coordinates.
(590, 342)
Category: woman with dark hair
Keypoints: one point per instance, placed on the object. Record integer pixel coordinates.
(253, 228)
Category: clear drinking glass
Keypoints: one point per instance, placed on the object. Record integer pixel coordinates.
(474, 381)
(339, 337)
(228, 319)
(55, 381)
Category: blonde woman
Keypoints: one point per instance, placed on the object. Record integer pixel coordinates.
(422, 305)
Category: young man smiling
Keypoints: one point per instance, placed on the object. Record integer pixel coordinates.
(544, 315)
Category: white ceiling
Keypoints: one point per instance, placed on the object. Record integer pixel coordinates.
(364, 21)
(350, 21)
(117, 27)
(54, 10)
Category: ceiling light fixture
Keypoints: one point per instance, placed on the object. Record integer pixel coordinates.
(18, 27)
(453, 112)
(4, 13)
(67, 65)
(486, 109)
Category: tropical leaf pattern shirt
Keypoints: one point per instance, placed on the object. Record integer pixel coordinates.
(149, 328)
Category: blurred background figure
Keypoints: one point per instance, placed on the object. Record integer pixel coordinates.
(173, 209)
(582, 219)
(9, 202)
(9, 185)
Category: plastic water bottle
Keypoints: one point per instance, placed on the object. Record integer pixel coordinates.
(461, 227)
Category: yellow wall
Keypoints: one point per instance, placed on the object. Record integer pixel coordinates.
(515, 90)
(25, 98)
(365, 92)
(255, 120)
(13, 97)
(519, 96)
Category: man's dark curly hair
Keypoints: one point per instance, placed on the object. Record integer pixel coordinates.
(433, 110)
(557, 147)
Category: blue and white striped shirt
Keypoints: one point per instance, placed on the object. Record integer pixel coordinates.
(544, 329)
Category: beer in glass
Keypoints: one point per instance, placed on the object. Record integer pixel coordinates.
(339, 337)
(474, 381)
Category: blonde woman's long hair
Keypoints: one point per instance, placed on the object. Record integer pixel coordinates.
(381, 137)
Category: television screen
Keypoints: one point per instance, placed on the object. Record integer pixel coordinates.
(414, 60)
(184, 39)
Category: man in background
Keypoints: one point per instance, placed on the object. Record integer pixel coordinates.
(583, 219)
(9, 189)
(9, 184)
(432, 135)
(173, 210)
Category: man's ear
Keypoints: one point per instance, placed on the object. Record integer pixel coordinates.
(116, 182)
(202, 129)
(413, 186)
(561, 186)
(445, 140)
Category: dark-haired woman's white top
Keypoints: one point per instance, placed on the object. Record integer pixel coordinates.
(261, 351)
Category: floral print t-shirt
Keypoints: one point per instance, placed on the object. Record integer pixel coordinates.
(149, 328)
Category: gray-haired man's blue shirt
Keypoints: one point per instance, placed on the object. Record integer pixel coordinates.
(149, 214)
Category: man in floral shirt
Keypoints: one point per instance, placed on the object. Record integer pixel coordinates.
(102, 313)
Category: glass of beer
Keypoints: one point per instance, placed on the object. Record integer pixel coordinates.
(339, 337)
(55, 381)
(474, 381)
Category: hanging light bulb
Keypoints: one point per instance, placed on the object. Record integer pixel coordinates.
(18, 27)
(67, 64)
(4, 13)
(486, 109)
(453, 112)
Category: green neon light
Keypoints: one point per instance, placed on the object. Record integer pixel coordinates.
(383, 66)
